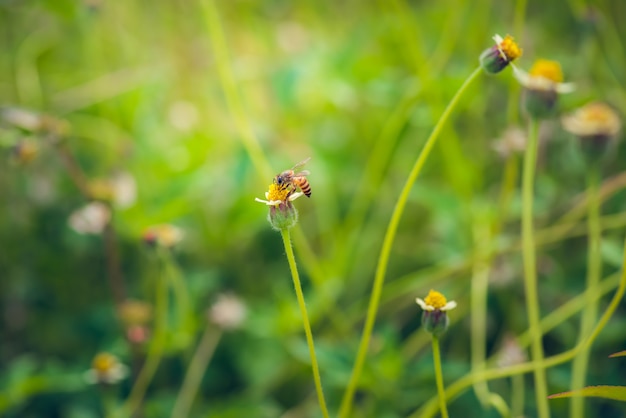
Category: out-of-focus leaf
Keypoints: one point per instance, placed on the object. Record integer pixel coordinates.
(618, 354)
(617, 393)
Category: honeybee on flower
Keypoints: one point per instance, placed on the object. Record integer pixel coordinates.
(292, 180)
(283, 191)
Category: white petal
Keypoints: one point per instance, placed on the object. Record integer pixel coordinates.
(449, 306)
(423, 305)
(564, 88)
(262, 201)
(497, 39)
(295, 196)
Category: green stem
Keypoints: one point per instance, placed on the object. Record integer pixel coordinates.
(439, 378)
(184, 307)
(305, 319)
(530, 268)
(594, 272)
(379, 279)
(478, 301)
(195, 371)
(155, 352)
(430, 408)
(233, 100)
(517, 395)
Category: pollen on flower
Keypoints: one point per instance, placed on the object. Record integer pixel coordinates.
(277, 192)
(510, 48)
(435, 299)
(547, 69)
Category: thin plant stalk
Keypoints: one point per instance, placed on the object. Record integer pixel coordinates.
(517, 395)
(530, 268)
(383, 260)
(197, 367)
(439, 378)
(305, 319)
(184, 306)
(429, 409)
(594, 273)
(229, 84)
(155, 352)
(479, 290)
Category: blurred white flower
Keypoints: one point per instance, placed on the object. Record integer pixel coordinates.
(511, 353)
(90, 219)
(21, 118)
(513, 141)
(183, 115)
(124, 190)
(228, 312)
(106, 368)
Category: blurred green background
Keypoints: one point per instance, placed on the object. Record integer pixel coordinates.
(143, 88)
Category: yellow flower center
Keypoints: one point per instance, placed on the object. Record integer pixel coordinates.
(550, 70)
(510, 48)
(598, 113)
(435, 299)
(277, 192)
(104, 362)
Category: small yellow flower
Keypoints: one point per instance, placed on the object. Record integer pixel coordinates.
(545, 75)
(106, 368)
(499, 56)
(509, 50)
(435, 301)
(593, 119)
(278, 194)
(135, 312)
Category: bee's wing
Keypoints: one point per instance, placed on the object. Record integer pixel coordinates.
(302, 173)
(301, 164)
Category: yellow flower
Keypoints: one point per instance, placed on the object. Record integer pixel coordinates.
(278, 194)
(509, 50)
(435, 301)
(545, 75)
(499, 56)
(593, 119)
(596, 125)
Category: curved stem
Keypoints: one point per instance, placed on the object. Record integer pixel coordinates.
(305, 319)
(530, 269)
(594, 272)
(439, 378)
(195, 371)
(379, 279)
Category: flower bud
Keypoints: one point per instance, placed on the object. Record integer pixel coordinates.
(283, 216)
(435, 318)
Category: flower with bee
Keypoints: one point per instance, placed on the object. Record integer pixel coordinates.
(283, 191)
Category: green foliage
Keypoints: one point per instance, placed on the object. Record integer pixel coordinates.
(199, 104)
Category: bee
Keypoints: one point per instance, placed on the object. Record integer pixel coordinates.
(293, 180)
